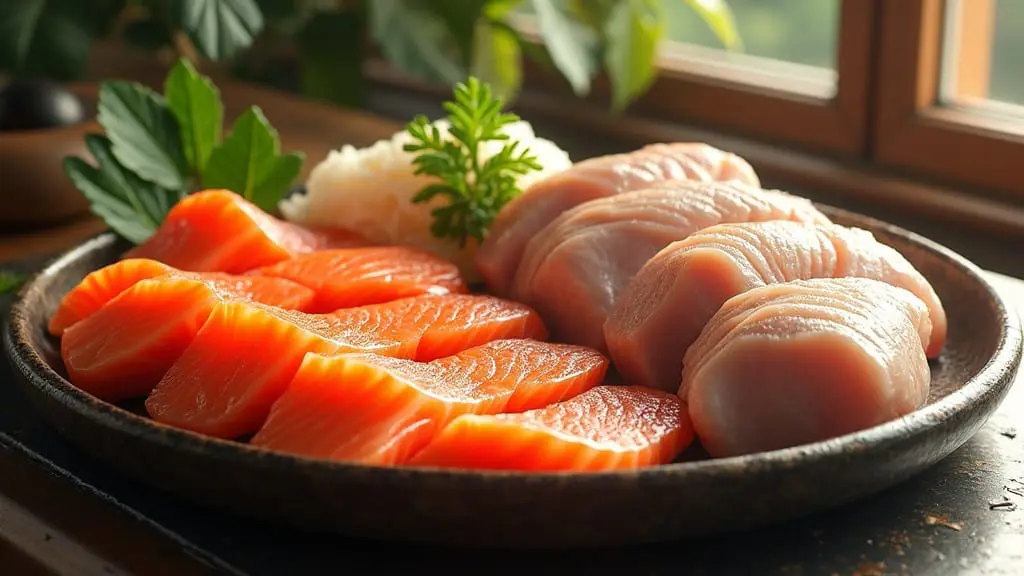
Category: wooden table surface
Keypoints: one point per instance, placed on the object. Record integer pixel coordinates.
(48, 526)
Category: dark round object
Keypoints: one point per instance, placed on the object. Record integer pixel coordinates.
(680, 500)
(37, 105)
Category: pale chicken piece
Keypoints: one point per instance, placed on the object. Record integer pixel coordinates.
(663, 309)
(521, 219)
(573, 272)
(805, 361)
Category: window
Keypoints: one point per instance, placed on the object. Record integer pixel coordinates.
(787, 31)
(802, 76)
(948, 79)
(933, 89)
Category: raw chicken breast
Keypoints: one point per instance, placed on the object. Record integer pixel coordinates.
(804, 361)
(498, 256)
(574, 271)
(664, 308)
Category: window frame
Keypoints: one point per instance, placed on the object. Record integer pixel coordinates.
(753, 104)
(914, 130)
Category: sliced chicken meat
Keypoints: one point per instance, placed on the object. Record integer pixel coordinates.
(498, 256)
(665, 307)
(805, 361)
(574, 271)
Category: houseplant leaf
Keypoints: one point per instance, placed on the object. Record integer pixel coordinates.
(718, 16)
(414, 40)
(633, 31)
(497, 59)
(572, 46)
(49, 38)
(220, 29)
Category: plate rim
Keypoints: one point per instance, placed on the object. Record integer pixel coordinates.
(984, 384)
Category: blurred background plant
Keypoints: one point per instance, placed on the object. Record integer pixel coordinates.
(435, 40)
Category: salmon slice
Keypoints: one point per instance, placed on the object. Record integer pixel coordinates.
(103, 285)
(220, 231)
(379, 410)
(665, 307)
(524, 217)
(99, 287)
(804, 361)
(604, 428)
(357, 276)
(226, 381)
(573, 272)
(122, 349)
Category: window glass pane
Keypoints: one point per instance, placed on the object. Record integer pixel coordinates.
(790, 45)
(983, 54)
(1007, 82)
(799, 31)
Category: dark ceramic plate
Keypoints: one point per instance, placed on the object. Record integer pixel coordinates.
(680, 500)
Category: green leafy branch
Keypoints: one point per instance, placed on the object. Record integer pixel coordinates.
(448, 40)
(438, 40)
(158, 148)
(476, 190)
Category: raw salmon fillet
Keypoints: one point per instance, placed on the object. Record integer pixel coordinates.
(524, 217)
(665, 307)
(573, 272)
(804, 361)
(379, 410)
(220, 231)
(122, 349)
(103, 285)
(349, 277)
(604, 428)
(243, 358)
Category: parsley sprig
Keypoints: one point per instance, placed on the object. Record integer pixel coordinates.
(159, 147)
(477, 190)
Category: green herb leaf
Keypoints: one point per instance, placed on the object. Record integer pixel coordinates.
(414, 40)
(634, 31)
(220, 29)
(497, 59)
(718, 16)
(11, 281)
(195, 103)
(145, 135)
(477, 190)
(130, 206)
(573, 46)
(49, 38)
(249, 162)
